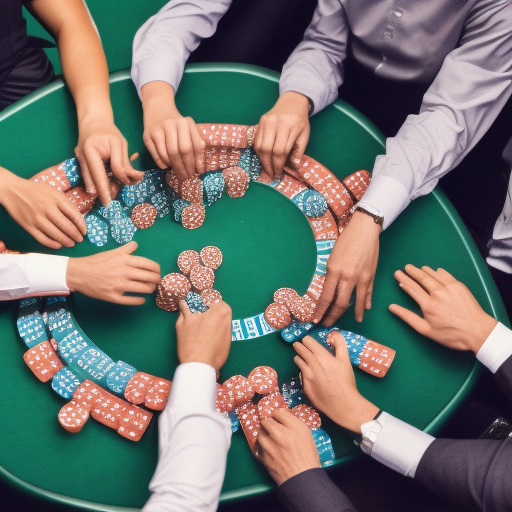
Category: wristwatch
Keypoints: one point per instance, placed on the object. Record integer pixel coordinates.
(370, 431)
(377, 217)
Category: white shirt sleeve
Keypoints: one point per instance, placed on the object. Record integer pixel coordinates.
(400, 446)
(194, 440)
(315, 68)
(23, 275)
(468, 93)
(497, 348)
(163, 44)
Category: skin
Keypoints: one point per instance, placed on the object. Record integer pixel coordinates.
(109, 275)
(86, 73)
(172, 140)
(42, 211)
(352, 264)
(204, 337)
(285, 446)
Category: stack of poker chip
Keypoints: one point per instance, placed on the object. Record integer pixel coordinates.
(289, 305)
(194, 284)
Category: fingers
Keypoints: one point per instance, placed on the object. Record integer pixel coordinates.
(184, 309)
(65, 226)
(73, 214)
(127, 300)
(414, 320)
(445, 277)
(299, 148)
(263, 144)
(145, 264)
(326, 297)
(340, 346)
(43, 239)
(120, 164)
(341, 302)
(424, 276)
(139, 286)
(282, 146)
(98, 174)
(128, 248)
(86, 175)
(52, 231)
(199, 147)
(411, 287)
(157, 149)
(144, 276)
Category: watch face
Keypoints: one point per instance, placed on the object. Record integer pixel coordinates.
(499, 429)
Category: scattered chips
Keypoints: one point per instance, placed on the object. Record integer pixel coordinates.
(192, 216)
(144, 215)
(303, 308)
(187, 260)
(269, 404)
(277, 315)
(192, 190)
(177, 285)
(211, 257)
(237, 181)
(202, 277)
(211, 296)
(239, 388)
(285, 296)
(263, 379)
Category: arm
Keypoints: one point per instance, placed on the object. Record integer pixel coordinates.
(309, 82)
(160, 50)
(105, 276)
(455, 114)
(86, 73)
(193, 437)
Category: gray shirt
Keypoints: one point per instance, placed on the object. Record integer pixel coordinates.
(462, 47)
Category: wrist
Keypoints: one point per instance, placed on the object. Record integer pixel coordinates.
(352, 416)
(6, 180)
(480, 331)
(156, 92)
(366, 222)
(295, 99)
(73, 275)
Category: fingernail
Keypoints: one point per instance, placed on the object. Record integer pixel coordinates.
(316, 320)
(296, 160)
(401, 285)
(91, 191)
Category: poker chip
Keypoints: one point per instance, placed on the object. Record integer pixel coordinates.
(269, 404)
(144, 215)
(192, 190)
(166, 301)
(263, 379)
(161, 201)
(81, 199)
(187, 260)
(73, 417)
(71, 168)
(122, 229)
(224, 402)
(178, 206)
(239, 388)
(250, 422)
(285, 296)
(202, 277)
(251, 134)
(97, 230)
(135, 194)
(308, 415)
(213, 187)
(211, 296)
(277, 315)
(55, 177)
(195, 303)
(303, 308)
(173, 181)
(357, 183)
(315, 204)
(192, 216)
(177, 285)
(296, 331)
(237, 181)
(211, 257)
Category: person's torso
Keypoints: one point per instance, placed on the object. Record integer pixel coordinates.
(13, 35)
(405, 39)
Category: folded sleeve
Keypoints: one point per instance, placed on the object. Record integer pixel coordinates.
(468, 93)
(23, 275)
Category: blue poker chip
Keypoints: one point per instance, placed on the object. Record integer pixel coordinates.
(122, 229)
(114, 209)
(245, 160)
(256, 168)
(324, 446)
(296, 331)
(72, 169)
(65, 382)
(311, 203)
(195, 303)
(97, 230)
(213, 187)
(135, 194)
(119, 376)
(161, 201)
(178, 206)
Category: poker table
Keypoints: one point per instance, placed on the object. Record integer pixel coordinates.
(267, 243)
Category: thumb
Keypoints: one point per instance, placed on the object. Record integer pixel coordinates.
(336, 339)
(128, 248)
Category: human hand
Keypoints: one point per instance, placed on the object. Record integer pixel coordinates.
(352, 264)
(283, 134)
(108, 275)
(204, 337)
(173, 140)
(286, 446)
(99, 142)
(451, 315)
(329, 382)
(42, 211)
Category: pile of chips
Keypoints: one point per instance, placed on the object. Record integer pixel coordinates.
(288, 304)
(194, 284)
(246, 401)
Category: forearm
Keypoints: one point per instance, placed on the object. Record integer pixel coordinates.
(163, 44)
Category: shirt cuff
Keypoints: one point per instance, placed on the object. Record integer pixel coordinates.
(388, 196)
(313, 90)
(45, 273)
(194, 386)
(400, 446)
(157, 68)
(497, 348)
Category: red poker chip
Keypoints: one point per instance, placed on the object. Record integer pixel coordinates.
(192, 216)
(278, 315)
(210, 296)
(202, 277)
(239, 388)
(224, 402)
(250, 422)
(270, 404)
(211, 257)
(308, 415)
(303, 308)
(285, 296)
(81, 199)
(263, 379)
(144, 215)
(177, 285)
(173, 181)
(166, 303)
(237, 181)
(192, 190)
(187, 260)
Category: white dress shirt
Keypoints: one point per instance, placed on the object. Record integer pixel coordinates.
(194, 440)
(25, 275)
(401, 446)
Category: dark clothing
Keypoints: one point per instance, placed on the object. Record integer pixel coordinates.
(23, 69)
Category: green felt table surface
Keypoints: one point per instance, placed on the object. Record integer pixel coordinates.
(267, 244)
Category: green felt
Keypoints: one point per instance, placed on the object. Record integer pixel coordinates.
(267, 243)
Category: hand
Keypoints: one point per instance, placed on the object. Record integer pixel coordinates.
(204, 337)
(42, 211)
(451, 315)
(100, 142)
(285, 446)
(329, 382)
(173, 140)
(283, 133)
(108, 275)
(352, 264)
